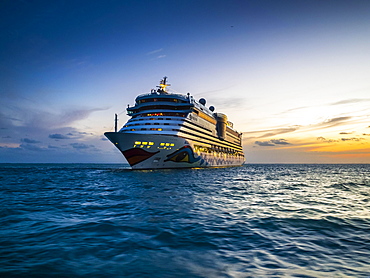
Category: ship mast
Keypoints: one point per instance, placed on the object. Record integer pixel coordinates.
(115, 122)
(162, 85)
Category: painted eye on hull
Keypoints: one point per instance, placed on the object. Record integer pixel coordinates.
(185, 154)
(181, 157)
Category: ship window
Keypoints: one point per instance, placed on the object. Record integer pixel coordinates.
(137, 143)
(160, 118)
(156, 123)
(132, 129)
(147, 123)
(166, 124)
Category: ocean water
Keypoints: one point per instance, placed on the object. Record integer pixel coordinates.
(104, 220)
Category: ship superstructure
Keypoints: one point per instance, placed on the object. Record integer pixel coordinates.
(171, 130)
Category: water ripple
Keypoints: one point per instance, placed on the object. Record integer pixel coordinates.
(252, 221)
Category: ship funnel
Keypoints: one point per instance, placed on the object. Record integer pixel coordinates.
(221, 125)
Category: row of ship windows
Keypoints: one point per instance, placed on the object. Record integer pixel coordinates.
(148, 145)
(161, 99)
(158, 107)
(217, 149)
(167, 146)
(158, 119)
(157, 129)
(171, 114)
(203, 137)
(147, 124)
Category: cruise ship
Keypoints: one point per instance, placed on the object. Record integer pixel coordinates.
(171, 130)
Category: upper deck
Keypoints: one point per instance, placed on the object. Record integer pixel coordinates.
(161, 102)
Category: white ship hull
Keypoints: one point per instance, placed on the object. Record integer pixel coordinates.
(157, 151)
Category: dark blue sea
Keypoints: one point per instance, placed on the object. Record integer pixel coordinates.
(104, 220)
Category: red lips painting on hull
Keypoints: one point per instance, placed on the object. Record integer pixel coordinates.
(137, 155)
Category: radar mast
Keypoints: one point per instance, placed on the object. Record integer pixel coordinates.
(162, 85)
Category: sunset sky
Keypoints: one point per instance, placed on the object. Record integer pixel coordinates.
(293, 76)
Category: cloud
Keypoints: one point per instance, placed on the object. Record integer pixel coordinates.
(323, 139)
(272, 142)
(71, 116)
(29, 141)
(227, 103)
(59, 136)
(356, 139)
(33, 117)
(352, 139)
(31, 147)
(279, 131)
(53, 147)
(155, 51)
(264, 143)
(81, 146)
(338, 119)
(280, 142)
(351, 100)
(273, 132)
(293, 109)
(334, 122)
